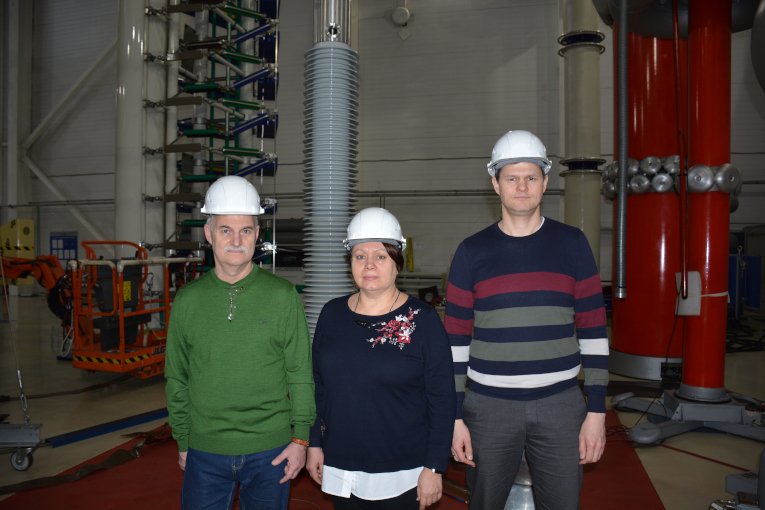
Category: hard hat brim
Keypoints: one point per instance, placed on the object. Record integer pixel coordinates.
(349, 243)
(543, 163)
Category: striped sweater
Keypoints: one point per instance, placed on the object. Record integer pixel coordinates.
(514, 309)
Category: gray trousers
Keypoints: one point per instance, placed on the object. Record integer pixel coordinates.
(547, 428)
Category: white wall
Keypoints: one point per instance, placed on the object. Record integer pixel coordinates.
(78, 152)
(432, 107)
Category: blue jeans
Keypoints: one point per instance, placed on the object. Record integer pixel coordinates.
(210, 481)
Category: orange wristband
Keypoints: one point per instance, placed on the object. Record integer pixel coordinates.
(301, 442)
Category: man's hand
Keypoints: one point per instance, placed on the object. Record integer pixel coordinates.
(429, 487)
(295, 455)
(462, 447)
(592, 438)
(182, 460)
(315, 464)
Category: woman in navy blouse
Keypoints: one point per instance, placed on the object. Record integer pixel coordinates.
(385, 399)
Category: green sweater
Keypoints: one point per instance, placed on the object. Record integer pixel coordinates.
(237, 387)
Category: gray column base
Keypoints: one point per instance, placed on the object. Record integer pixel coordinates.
(697, 394)
(685, 416)
(640, 367)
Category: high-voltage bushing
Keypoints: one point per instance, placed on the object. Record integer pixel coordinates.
(331, 113)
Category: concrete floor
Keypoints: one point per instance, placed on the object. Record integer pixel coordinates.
(682, 481)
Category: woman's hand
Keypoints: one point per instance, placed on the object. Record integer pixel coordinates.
(429, 488)
(315, 463)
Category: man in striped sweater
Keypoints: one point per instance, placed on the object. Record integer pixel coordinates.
(524, 312)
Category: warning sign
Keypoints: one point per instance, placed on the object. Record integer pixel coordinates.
(126, 290)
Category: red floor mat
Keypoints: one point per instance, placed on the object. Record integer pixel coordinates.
(618, 480)
(154, 481)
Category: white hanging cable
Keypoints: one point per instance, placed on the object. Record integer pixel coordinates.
(22, 397)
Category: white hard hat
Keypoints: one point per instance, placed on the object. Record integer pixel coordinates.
(232, 195)
(374, 224)
(518, 147)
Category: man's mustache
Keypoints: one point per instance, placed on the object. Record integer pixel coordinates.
(236, 249)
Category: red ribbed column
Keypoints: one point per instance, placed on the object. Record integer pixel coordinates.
(709, 76)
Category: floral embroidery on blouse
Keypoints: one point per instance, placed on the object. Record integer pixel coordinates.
(397, 331)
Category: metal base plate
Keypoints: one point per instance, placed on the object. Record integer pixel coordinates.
(19, 436)
(685, 416)
(640, 367)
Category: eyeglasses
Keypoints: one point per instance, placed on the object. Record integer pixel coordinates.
(231, 306)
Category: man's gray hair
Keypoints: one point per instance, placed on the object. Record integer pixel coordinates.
(210, 220)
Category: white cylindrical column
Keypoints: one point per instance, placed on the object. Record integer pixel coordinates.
(128, 203)
(156, 87)
(201, 21)
(154, 165)
(247, 93)
(171, 124)
(581, 68)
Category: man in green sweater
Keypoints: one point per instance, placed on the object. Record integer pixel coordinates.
(240, 389)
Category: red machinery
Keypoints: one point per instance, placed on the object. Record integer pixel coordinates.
(709, 47)
(643, 324)
(47, 270)
(115, 304)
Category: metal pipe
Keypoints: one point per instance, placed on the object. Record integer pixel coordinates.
(69, 93)
(652, 18)
(332, 21)
(228, 64)
(226, 109)
(683, 176)
(230, 21)
(620, 287)
(122, 263)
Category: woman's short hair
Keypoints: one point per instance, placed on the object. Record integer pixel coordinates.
(394, 252)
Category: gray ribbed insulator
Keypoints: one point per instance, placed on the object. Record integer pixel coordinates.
(733, 204)
(331, 102)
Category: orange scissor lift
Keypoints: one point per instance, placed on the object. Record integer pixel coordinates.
(132, 348)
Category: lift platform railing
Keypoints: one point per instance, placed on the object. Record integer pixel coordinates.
(144, 359)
